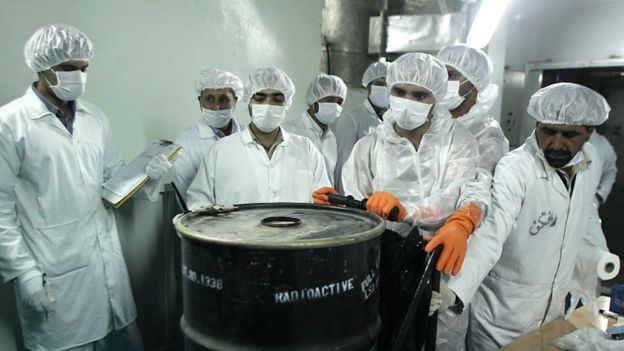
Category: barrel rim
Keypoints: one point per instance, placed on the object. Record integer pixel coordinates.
(341, 240)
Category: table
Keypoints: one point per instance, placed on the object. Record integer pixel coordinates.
(541, 339)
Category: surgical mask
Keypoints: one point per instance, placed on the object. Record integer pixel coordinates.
(379, 96)
(452, 99)
(69, 85)
(409, 114)
(328, 112)
(217, 119)
(267, 117)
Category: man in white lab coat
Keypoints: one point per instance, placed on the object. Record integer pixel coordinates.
(469, 98)
(263, 163)
(608, 159)
(418, 161)
(358, 122)
(421, 161)
(58, 242)
(217, 93)
(325, 97)
(542, 211)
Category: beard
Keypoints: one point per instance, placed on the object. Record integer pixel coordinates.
(557, 158)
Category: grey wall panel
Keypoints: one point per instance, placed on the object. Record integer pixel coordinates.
(512, 110)
(150, 247)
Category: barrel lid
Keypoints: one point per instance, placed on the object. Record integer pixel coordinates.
(281, 226)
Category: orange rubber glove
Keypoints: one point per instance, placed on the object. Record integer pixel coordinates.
(320, 195)
(454, 237)
(381, 203)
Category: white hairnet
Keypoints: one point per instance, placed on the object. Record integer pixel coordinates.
(568, 103)
(376, 70)
(269, 78)
(213, 78)
(54, 44)
(325, 85)
(472, 63)
(420, 69)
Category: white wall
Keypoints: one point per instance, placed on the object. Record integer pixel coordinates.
(564, 30)
(496, 50)
(355, 97)
(557, 34)
(148, 53)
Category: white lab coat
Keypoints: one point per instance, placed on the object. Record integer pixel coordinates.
(237, 169)
(428, 182)
(527, 246)
(493, 145)
(196, 141)
(352, 126)
(607, 157)
(52, 217)
(324, 140)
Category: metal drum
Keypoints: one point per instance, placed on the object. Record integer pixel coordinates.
(280, 276)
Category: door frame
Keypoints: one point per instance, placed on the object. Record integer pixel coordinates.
(533, 82)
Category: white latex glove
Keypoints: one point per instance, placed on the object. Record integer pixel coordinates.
(435, 302)
(441, 301)
(157, 167)
(33, 293)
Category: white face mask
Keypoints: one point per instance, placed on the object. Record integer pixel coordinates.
(409, 114)
(217, 119)
(379, 96)
(328, 112)
(452, 99)
(69, 85)
(267, 117)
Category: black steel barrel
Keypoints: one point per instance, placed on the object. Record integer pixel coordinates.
(280, 276)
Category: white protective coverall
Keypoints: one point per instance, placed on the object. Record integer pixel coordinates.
(52, 218)
(352, 126)
(237, 169)
(429, 182)
(607, 157)
(196, 141)
(476, 67)
(493, 144)
(323, 140)
(531, 238)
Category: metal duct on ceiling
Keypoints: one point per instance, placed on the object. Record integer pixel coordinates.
(345, 34)
(346, 23)
(425, 33)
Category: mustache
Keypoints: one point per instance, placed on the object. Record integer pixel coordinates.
(557, 153)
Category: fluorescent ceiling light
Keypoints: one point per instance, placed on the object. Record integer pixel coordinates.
(486, 22)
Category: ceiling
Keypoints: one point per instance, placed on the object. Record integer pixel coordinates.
(525, 7)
